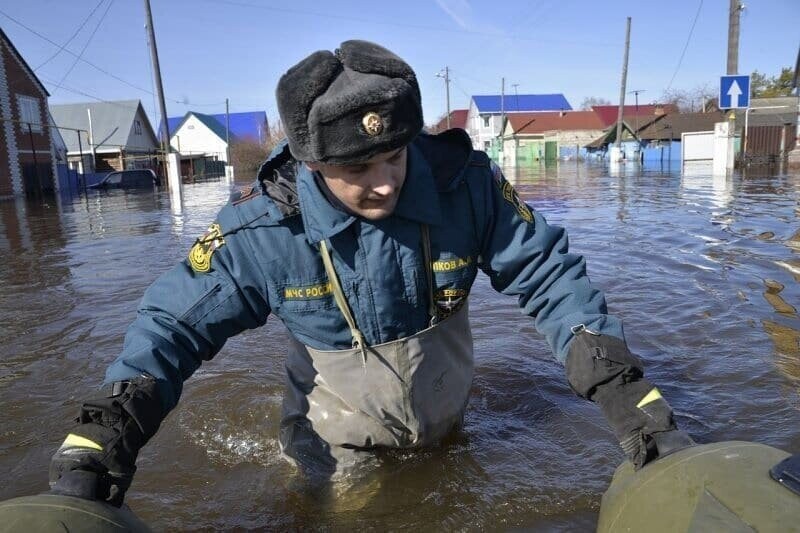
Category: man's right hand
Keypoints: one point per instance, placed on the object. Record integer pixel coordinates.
(98, 458)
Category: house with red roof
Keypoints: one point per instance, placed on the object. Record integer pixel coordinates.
(458, 119)
(638, 116)
(532, 137)
(486, 112)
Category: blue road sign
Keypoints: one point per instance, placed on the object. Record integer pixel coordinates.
(734, 92)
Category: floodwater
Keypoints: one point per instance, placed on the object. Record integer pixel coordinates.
(704, 272)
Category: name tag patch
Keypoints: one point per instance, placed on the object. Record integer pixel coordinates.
(450, 265)
(309, 292)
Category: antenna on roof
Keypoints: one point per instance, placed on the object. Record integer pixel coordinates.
(636, 96)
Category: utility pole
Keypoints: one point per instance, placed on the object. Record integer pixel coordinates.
(162, 106)
(736, 8)
(618, 141)
(447, 90)
(502, 115)
(227, 133)
(516, 95)
(91, 141)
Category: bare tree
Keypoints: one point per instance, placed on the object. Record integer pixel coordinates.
(704, 97)
(590, 101)
(276, 135)
(679, 98)
(437, 127)
(248, 154)
(246, 157)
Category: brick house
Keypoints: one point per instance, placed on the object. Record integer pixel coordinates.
(27, 153)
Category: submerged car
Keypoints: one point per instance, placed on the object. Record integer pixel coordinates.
(128, 179)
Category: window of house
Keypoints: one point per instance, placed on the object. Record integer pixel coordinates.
(487, 145)
(29, 113)
(486, 121)
(137, 127)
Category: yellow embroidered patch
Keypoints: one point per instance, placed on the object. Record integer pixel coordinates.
(204, 248)
(310, 292)
(511, 196)
(451, 293)
(451, 264)
(449, 301)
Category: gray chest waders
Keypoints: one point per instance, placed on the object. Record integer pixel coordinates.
(406, 393)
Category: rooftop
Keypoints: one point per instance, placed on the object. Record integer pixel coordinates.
(608, 113)
(534, 123)
(513, 103)
(458, 119)
(673, 125)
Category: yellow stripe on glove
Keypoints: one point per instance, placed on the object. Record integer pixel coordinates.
(77, 441)
(651, 396)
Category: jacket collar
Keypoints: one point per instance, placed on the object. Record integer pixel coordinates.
(418, 200)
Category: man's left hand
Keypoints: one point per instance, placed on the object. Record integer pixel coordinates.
(602, 369)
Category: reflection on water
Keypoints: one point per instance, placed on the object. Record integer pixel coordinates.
(703, 270)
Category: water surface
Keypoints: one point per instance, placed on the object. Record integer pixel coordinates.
(703, 271)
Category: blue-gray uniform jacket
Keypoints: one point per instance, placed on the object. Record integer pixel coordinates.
(261, 256)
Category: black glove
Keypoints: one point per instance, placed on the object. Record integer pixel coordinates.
(98, 458)
(603, 370)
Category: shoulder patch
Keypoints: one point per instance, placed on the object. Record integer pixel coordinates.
(510, 194)
(204, 247)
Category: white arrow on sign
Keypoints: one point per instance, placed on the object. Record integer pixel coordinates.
(734, 92)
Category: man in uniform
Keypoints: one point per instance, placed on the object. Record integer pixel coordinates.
(364, 236)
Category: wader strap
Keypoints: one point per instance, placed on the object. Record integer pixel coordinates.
(344, 307)
(426, 252)
(341, 302)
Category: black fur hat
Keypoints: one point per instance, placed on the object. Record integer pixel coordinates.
(348, 106)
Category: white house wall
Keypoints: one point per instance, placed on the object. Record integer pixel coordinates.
(194, 137)
(478, 132)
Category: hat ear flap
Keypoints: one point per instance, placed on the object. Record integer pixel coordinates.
(371, 58)
(297, 90)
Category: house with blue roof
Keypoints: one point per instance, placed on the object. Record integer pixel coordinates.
(484, 118)
(248, 125)
(202, 140)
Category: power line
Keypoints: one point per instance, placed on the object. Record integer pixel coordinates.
(685, 46)
(460, 88)
(475, 80)
(73, 54)
(77, 31)
(85, 46)
(398, 24)
(82, 93)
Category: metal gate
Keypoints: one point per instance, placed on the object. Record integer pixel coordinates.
(550, 150)
(37, 179)
(767, 144)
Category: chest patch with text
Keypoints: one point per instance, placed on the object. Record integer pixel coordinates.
(308, 292)
(451, 265)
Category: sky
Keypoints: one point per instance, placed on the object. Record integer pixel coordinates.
(210, 50)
